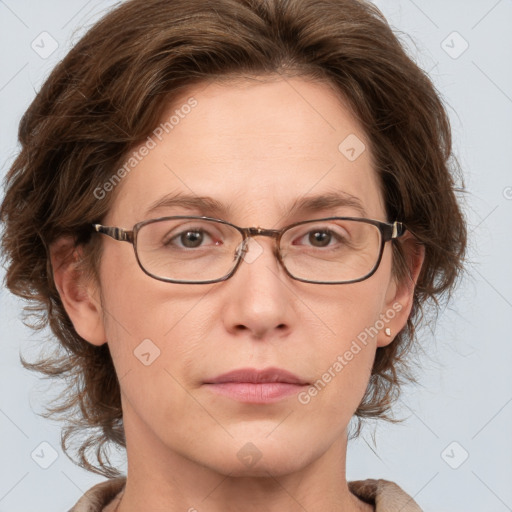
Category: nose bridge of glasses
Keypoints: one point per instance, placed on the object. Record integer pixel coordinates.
(257, 231)
(273, 233)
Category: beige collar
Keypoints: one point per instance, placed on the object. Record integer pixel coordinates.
(386, 496)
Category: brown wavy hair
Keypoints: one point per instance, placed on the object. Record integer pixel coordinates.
(107, 95)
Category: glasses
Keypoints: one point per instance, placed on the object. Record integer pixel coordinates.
(201, 250)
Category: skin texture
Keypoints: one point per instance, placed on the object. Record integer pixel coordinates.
(255, 146)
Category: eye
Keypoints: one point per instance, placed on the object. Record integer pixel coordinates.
(191, 238)
(322, 237)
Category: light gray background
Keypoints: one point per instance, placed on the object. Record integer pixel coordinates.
(465, 394)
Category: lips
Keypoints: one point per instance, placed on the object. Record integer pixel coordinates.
(254, 376)
(252, 386)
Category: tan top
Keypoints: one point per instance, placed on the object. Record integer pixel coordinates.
(386, 496)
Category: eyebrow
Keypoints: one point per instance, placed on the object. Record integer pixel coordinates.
(211, 207)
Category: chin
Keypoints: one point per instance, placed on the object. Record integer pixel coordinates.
(268, 467)
(262, 457)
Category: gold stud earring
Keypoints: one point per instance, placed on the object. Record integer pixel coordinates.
(387, 331)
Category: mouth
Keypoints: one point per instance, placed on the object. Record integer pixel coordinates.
(250, 385)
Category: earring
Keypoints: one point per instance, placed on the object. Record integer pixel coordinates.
(387, 331)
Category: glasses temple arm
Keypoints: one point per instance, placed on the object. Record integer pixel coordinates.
(398, 229)
(116, 233)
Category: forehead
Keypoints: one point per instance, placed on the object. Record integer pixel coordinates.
(258, 148)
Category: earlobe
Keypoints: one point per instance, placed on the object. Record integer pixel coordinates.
(79, 297)
(400, 295)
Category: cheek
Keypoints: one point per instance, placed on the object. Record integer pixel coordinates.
(344, 357)
(349, 311)
(342, 368)
(150, 325)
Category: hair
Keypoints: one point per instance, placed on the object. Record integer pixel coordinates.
(108, 94)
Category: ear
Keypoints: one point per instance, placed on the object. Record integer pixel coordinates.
(79, 296)
(400, 295)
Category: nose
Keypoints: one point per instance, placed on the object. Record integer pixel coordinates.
(258, 295)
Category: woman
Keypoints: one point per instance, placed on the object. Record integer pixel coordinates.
(231, 216)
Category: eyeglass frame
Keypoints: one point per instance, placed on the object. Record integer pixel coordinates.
(388, 230)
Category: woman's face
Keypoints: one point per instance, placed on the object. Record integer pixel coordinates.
(255, 148)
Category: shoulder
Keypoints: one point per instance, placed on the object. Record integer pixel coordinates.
(99, 496)
(385, 495)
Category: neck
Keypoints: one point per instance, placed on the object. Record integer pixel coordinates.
(160, 478)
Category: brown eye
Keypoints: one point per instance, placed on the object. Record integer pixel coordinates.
(190, 239)
(320, 238)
